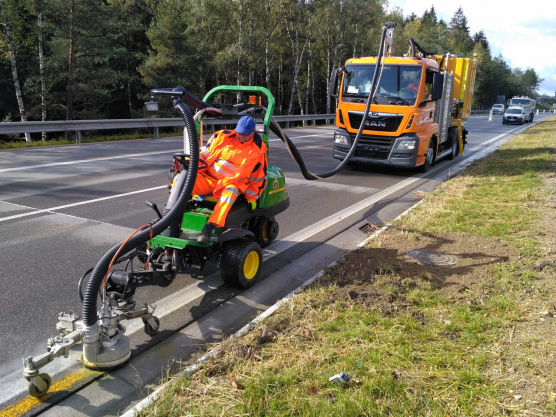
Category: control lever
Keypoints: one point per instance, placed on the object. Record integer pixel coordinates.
(154, 207)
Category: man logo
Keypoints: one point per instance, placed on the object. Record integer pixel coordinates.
(375, 123)
(374, 114)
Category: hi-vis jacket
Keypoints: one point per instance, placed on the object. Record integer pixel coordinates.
(233, 163)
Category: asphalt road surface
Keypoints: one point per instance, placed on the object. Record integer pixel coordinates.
(62, 208)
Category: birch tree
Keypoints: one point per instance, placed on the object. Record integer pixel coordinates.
(14, 66)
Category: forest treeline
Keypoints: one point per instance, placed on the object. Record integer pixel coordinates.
(89, 59)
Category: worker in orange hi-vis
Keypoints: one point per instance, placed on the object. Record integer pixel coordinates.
(234, 163)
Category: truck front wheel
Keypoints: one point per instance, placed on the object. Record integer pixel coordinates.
(428, 158)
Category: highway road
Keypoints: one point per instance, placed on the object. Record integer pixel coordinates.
(62, 208)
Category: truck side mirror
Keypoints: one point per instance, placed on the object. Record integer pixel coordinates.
(437, 86)
(333, 84)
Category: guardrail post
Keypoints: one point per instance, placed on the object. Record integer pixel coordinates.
(212, 129)
(314, 122)
(287, 124)
(78, 136)
(156, 132)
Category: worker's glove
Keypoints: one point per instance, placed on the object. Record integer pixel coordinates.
(252, 205)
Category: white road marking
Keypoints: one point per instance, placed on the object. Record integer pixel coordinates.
(81, 161)
(107, 158)
(81, 203)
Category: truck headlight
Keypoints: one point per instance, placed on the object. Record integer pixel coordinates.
(339, 138)
(406, 144)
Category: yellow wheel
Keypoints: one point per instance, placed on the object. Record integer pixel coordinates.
(251, 265)
(265, 231)
(241, 263)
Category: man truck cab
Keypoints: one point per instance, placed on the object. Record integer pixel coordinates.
(418, 112)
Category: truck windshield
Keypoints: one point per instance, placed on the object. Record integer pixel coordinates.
(399, 84)
(520, 101)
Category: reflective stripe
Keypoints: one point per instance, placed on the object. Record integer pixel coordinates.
(205, 151)
(255, 179)
(231, 167)
(222, 171)
(251, 193)
(229, 200)
(231, 190)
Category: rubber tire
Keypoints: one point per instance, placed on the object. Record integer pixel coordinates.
(149, 331)
(258, 231)
(455, 147)
(233, 260)
(34, 391)
(428, 163)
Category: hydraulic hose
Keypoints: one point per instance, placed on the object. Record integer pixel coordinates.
(99, 271)
(292, 149)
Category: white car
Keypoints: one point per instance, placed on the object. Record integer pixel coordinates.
(514, 114)
(498, 109)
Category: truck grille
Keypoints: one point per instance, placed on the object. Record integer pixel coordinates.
(380, 123)
(377, 147)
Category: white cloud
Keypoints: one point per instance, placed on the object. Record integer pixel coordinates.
(524, 34)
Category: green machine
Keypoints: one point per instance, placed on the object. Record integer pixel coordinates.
(235, 248)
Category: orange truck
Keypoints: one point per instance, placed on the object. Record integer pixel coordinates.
(418, 112)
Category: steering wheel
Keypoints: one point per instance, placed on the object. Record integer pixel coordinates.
(184, 158)
(411, 92)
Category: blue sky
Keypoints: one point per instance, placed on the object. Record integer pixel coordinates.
(524, 33)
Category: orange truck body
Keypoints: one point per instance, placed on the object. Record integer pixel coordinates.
(392, 126)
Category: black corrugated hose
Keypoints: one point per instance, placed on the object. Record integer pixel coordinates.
(292, 148)
(99, 271)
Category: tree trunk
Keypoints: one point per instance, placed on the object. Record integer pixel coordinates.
(71, 62)
(298, 58)
(41, 67)
(240, 50)
(328, 70)
(250, 45)
(280, 84)
(14, 68)
(267, 43)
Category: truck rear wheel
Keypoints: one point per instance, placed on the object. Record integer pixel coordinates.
(453, 134)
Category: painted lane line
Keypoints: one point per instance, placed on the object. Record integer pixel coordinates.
(81, 203)
(107, 158)
(81, 161)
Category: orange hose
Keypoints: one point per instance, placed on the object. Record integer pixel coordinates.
(122, 245)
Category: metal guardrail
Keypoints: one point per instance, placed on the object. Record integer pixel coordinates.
(104, 124)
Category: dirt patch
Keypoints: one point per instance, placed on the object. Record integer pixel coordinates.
(380, 278)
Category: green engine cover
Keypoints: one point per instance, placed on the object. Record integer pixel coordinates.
(275, 190)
